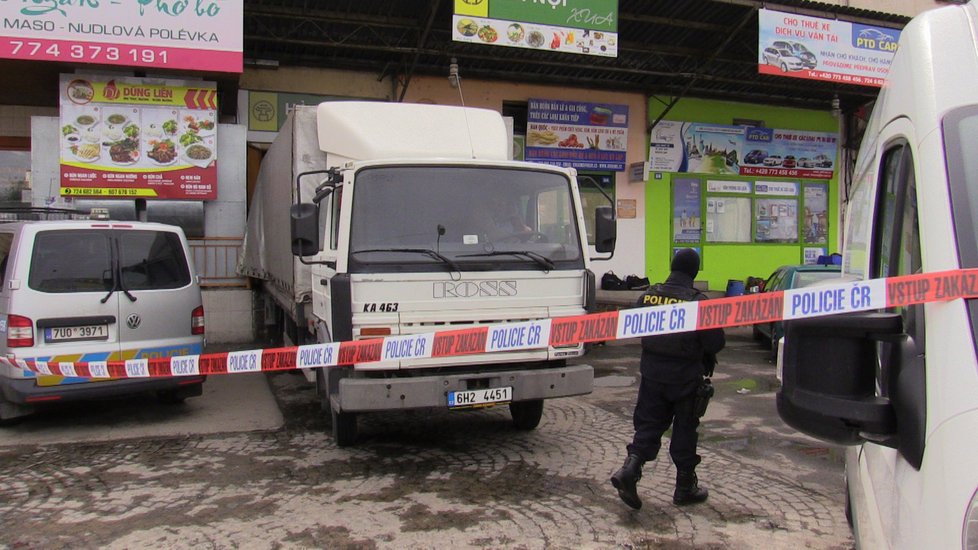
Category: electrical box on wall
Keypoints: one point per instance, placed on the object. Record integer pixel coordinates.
(638, 172)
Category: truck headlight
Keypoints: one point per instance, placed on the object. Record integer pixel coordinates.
(969, 532)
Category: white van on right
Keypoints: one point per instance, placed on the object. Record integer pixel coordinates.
(900, 386)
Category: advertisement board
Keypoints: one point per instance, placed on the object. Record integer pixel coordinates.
(586, 136)
(588, 27)
(138, 138)
(702, 148)
(814, 48)
(199, 35)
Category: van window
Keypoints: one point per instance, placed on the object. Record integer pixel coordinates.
(152, 260)
(898, 245)
(5, 241)
(961, 140)
(84, 261)
(71, 261)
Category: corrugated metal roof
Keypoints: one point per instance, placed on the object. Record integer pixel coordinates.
(699, 48)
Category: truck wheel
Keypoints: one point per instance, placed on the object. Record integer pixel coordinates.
(526, 414)
(344, 428)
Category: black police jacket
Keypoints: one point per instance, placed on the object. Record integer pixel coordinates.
(677, 358)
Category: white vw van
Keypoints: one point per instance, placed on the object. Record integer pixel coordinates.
(94, 291)
(900, 386)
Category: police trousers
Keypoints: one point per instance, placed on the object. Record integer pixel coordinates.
(660, 405)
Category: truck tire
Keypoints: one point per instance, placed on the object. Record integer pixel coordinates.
(344, 428)
(526, 414)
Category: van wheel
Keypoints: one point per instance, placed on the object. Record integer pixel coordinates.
(344, 428)
(526, 414)
(11, 413)
(179, 395)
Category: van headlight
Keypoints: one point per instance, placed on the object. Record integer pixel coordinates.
(969, 532)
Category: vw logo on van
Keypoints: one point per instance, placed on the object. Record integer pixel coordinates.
(133, 320)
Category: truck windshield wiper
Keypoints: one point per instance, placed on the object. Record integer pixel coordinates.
(426, 251)
(540, 259)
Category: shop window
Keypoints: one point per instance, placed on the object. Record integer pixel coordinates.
(750, 212)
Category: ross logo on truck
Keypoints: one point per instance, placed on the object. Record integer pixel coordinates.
(469, 289)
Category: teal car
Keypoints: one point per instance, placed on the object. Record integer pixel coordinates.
(788, 277)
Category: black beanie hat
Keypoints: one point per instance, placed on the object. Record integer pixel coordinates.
(686, 261)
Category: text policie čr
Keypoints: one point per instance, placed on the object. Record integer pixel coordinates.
(658, 320)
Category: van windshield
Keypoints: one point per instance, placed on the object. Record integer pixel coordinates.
(91, 260)
(436, 218)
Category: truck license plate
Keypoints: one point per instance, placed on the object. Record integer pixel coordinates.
(479, 398)
(70, 334)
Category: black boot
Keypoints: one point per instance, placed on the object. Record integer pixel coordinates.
(688, 490)
(626, 478)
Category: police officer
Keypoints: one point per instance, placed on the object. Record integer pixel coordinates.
(672, 367)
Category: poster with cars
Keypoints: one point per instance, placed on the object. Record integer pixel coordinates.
(587, 27)
(586, 136)
(816, 48)
(718, 149)
(138, 138)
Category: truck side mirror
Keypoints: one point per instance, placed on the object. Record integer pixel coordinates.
(829, 388)
(605, 229)
(304, 225)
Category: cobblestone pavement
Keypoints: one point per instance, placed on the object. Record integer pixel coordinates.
(440, 479)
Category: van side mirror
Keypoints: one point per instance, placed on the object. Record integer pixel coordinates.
(605, 229)
(304, 226)
(829, 388)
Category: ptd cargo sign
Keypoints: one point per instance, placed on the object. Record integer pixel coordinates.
(797, 46)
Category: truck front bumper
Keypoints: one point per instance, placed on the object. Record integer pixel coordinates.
(385, 394)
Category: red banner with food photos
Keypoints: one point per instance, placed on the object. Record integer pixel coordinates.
(129, 137)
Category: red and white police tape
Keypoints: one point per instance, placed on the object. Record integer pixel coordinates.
(612, 325)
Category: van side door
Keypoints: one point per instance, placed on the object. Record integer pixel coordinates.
(900, 374)
(157, 295)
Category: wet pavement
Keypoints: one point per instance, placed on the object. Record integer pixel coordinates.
(431, 479)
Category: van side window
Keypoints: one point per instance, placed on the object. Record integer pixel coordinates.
(71, 261)
(6, 239)
(150, 260)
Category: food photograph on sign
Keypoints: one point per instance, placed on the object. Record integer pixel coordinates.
(137, 137)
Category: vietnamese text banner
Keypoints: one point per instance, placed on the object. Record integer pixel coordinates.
(639, 322)
(199, 35)
(703, 148)
(588, 27)
(135, 137)
(586, 136)
(814, 48)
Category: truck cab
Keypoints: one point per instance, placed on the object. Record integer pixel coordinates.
(414, 222)
(899, 387)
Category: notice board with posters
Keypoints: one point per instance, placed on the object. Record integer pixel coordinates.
(586, 136)
(138, 138)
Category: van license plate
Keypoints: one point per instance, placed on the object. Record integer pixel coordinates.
(479, 398)
(74, 334)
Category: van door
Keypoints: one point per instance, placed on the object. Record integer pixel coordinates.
(883, 474)
(69, 296)
(156, 296)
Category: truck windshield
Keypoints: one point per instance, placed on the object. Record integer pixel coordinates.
(478, 218)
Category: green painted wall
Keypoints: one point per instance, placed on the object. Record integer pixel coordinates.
(722, 262)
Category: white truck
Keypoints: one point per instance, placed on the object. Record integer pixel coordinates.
(372, 219)
(899, 387)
